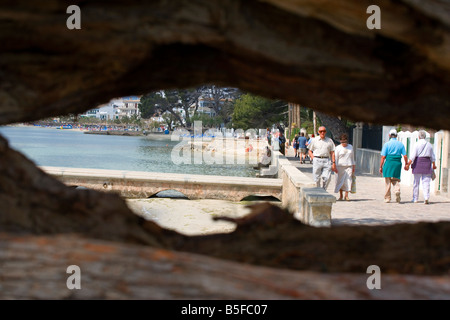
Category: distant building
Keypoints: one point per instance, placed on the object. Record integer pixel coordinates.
(130, 107)
(116, 109)
(91, 113)
(206, 106)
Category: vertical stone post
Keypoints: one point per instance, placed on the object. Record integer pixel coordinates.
(357, 135)
(315, 207)
(314, 123)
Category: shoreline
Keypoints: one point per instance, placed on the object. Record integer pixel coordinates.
(219, 150)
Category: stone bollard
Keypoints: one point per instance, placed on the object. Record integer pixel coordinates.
(315, 204)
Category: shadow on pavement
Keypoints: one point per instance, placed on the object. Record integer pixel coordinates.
(367, 221)
(356, 200)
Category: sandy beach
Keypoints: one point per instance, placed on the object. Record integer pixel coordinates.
(190, 217)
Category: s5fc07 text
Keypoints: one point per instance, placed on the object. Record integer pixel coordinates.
(245, 309)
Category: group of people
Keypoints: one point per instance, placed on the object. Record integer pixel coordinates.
(327, 158)
(278, 139)
(422, 162)
(299, 144)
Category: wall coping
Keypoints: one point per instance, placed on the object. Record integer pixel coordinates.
(298, 178)
(316, 195)
(166, 177)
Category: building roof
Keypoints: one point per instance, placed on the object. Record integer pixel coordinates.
(131, 98)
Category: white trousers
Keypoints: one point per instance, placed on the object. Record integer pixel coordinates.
(322, 172)
(426, 180)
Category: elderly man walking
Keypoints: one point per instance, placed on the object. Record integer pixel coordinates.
(391, 165)
(321, 152)
(423, 163)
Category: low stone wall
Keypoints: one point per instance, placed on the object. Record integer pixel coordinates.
(293, 181)
(297, 192)
(444, 182)
(133, 184)
(309, 204)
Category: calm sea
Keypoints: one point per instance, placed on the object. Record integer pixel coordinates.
(75, 149)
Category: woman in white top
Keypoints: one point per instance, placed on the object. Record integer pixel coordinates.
(345, 165)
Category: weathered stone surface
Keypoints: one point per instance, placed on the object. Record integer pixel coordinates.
(316, 53)
(111, 270)
(270, 236)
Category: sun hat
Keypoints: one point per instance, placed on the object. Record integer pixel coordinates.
(393, 132)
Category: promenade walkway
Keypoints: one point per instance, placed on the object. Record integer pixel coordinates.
(367, 206)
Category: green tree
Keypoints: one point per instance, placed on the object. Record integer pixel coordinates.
(208, 121)
(221, 101)
(252, 111)
(171, 120)
(307, 119)
(171, 101)
(149, 104)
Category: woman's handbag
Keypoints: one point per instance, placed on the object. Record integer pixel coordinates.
(413, 165)
(353, 189)
(433, 175)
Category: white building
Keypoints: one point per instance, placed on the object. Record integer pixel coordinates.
(116, 109)
(129, 107)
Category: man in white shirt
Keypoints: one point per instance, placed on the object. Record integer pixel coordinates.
(321, 152)
(423, 163)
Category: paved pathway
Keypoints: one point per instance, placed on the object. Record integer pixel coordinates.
(367, 205)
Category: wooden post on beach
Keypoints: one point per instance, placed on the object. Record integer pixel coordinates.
(290, 114)
(297, 116)
(294, 117)
(314, 123)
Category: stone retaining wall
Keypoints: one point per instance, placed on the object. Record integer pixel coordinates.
(309, 204)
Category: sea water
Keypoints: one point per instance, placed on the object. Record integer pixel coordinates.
(48, 146)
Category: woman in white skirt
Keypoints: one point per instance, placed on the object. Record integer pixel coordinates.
(345, 165)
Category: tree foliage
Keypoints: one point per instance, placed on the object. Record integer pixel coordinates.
(208, 121)
(221, 101)
(252, 111)
(244, 111)
(170, 100)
